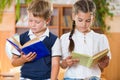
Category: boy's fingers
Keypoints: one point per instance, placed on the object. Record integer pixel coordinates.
(22, 53)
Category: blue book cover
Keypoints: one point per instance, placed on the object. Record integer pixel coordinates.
(38, 47)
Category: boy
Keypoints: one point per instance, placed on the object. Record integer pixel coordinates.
(39, 13)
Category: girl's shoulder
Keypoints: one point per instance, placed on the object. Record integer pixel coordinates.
(99, 36)
(65, 35)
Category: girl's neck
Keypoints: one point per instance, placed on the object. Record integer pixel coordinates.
(85, 32)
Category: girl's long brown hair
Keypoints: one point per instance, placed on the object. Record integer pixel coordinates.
(71, 45)
(83, 6)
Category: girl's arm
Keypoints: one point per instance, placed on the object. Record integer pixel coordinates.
(68, 62)
(104, 62)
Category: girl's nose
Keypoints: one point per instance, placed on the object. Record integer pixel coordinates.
(84, 23)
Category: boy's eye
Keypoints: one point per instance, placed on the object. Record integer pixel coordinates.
(30, 20)
(88, 20)
(37, 22)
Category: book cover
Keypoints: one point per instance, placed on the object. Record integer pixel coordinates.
(31, 46)
(87, 60)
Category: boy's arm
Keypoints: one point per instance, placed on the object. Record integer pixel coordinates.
(55, 67)
(20, 60)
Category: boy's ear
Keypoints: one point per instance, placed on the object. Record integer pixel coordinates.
(48, 20)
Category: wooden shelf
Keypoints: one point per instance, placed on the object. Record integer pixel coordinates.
(61, 20)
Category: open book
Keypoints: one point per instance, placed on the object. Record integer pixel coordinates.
(87, 60)
(33, 45)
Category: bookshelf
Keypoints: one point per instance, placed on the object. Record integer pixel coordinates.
(61, 20)
(21, 24)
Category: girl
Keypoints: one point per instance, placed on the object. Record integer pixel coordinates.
(82, 39)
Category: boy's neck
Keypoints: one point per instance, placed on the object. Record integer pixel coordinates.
(40, 33)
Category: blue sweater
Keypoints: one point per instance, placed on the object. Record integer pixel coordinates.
(39, 69)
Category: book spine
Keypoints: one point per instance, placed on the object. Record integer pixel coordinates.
(89, 64)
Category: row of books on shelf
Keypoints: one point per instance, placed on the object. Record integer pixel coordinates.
(66, 21)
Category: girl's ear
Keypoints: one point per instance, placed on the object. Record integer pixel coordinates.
(93, 19)
(73, 16)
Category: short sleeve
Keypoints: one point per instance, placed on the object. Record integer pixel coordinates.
(104, 44)
(56, 49)
(64, 45)
(10, 49)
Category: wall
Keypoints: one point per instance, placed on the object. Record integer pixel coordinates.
(112, 71)
(7, 29)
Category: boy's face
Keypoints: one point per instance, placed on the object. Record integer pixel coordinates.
(83, 21)
(36, 24)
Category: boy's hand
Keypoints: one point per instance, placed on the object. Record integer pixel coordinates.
(29, 57)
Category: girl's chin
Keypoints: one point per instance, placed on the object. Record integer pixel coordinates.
(84, 31)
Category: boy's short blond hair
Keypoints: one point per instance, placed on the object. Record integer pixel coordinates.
(40, 8)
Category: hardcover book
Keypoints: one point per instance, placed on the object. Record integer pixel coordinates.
(33, 45)
(87, 60)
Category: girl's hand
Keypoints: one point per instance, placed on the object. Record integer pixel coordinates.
(29, 57)
(103, 62)
(70, 61)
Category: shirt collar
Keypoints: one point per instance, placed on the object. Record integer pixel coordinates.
(78, 33)
(32, 35)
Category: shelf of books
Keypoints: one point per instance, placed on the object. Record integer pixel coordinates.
(22, 23)
(66, 18)
(61, 19)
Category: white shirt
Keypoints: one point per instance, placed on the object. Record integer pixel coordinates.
(90, 44)
(56, 50)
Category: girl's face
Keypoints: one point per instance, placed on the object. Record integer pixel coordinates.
(36, 24)
(83, 21)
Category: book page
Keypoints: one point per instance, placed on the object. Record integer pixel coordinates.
(16, 41)
(26, 44)
(15, 45)
(84, 59)
(30, 42)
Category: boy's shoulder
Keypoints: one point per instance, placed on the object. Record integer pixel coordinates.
(51, 34)
(24, 33)
(52, 37)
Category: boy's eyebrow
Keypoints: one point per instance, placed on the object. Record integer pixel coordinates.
(79, 18)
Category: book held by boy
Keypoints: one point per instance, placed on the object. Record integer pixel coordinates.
(33, 45)
(87, 60)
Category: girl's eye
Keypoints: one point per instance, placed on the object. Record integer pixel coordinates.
(80, 20)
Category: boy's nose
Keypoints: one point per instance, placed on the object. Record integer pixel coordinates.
(33, 24)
